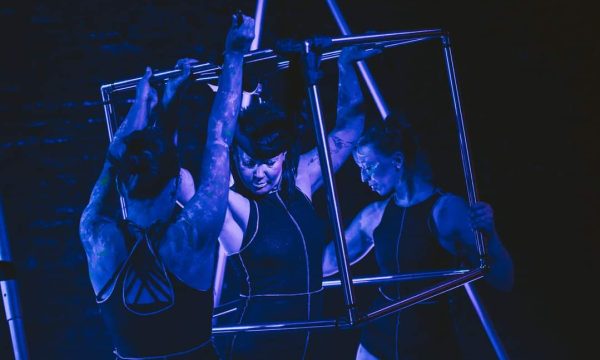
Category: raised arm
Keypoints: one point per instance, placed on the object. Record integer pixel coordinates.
(194, 235)
(207, 208)
(102, 242)
(455, 222)
(359, 237)
(137, 117)
(349, 121)
(167, 119)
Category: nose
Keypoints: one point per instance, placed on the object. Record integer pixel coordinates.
(259, 172)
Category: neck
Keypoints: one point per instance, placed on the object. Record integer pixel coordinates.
(146, 212)
(411, 191)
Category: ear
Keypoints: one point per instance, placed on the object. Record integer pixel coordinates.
(398, 160)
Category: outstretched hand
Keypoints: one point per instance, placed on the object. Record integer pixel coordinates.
(240, 35)
(173, 85)
(351, 54)
(482, 218)
(146, 93)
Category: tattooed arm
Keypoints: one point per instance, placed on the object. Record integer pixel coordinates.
(349, 122)
(192, 240)
(103, 243)
(137, 117)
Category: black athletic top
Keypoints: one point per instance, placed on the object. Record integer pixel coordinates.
(406, 242)
(282, 249)
(148, 311)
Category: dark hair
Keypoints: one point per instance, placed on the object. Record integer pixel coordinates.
(393, 135)
(149, 155)
(265, 131)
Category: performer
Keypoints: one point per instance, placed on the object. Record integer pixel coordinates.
(416, 228)
(271, 227)
(152, 273)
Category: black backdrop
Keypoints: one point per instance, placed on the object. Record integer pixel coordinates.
(527, 77)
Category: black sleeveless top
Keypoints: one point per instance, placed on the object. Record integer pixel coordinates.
(148, 311)
(406, 242)
(282, 248)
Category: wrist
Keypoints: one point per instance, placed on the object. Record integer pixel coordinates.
(233, 54)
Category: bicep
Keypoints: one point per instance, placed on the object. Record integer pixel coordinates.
(451, 217)
(340, 143)
(231, 235)
(359, 240)
(189, 254)
(105, 250)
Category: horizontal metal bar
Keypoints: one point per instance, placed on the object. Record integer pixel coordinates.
(424, 295)
(270, 327)
(464, 277)
(208, 71)
(368, 280)
(401, 35)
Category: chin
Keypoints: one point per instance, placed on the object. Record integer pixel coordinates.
(262, 191)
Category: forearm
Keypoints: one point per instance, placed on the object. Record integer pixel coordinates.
(501, 273)
(330, 266)
(350, 116)
(136, 119)
(213, 184)
(227, 102)
(350, 109)
(98, 198)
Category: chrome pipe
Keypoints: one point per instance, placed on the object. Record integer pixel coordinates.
(271, 327)
(329, 184)
(10, 294)
(382, 279)
(382, 106)
(463, 142)
(425, 295)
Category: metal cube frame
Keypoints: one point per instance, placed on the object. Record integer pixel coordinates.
(461, 277)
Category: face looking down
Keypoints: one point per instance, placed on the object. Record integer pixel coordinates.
(380, 171)
(260, 176)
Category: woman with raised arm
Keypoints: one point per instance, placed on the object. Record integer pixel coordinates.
(271, 228)
(416, 228)
(152, 273)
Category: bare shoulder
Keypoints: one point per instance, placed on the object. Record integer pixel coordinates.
(449, 212)
(370, 216)
(239, 206)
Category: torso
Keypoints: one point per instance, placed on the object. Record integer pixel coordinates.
(144, 300)
(406, 242)
(282, 246)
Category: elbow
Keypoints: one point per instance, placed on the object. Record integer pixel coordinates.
(502, 277)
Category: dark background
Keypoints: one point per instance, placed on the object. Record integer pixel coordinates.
(527, 74)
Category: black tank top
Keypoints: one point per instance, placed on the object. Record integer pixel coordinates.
(282, 248)
(406, 242)
(147, 310)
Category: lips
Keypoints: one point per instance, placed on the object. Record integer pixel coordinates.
(259, 185)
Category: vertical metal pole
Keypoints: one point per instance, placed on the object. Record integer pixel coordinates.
(109, 114)
(10, 295)
(329, 183)
(382, 106)
(219, 276)
(472, 195)
(246, 97)
(486, 322)
(258, 21)
(462, 137)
